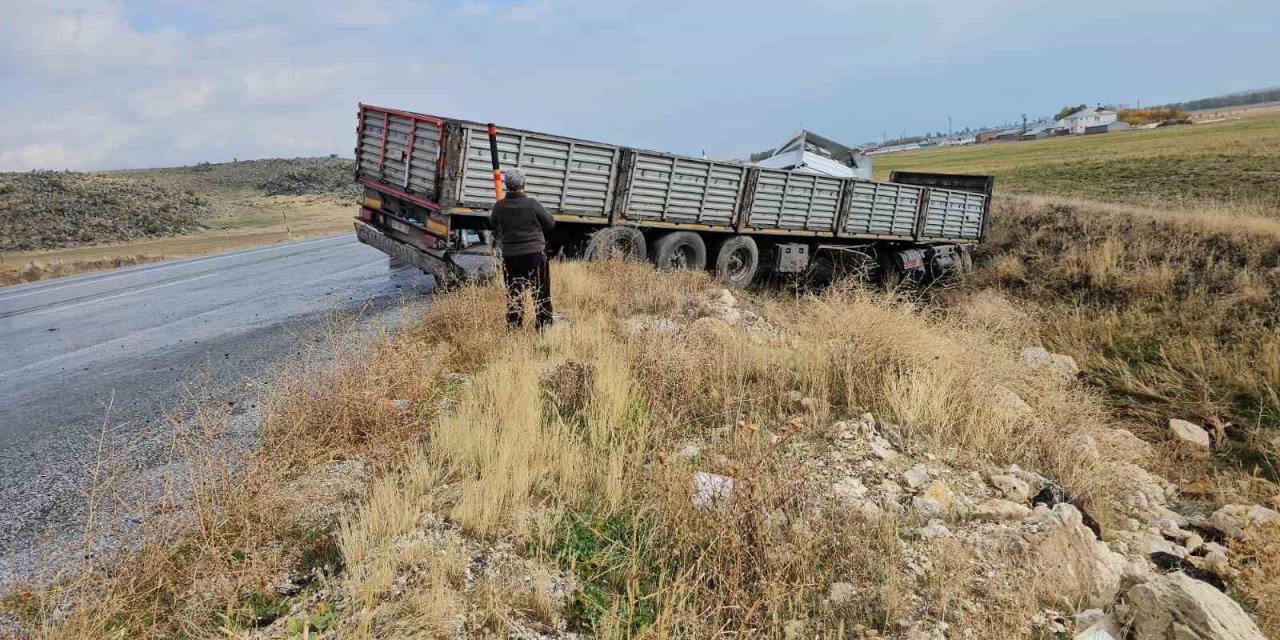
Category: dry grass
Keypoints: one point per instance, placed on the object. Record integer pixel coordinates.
(551, 454)
(1261, 552)
(1172, 313)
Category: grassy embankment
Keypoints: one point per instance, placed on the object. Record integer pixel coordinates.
(532, 480)
(1169, 299)
(1227, 164)
(306, 200)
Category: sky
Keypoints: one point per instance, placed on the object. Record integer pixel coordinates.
(100, 84)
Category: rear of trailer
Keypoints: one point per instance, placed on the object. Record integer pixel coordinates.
(429, 185)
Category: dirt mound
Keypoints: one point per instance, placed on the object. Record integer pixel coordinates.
(51, 209)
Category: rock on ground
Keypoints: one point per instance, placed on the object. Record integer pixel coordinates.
(1242, 520)
(1189, 435)
(997, 510)
(1176, 606)
(718, 304)
(1071, 559)
(1040, 358)
(1012, 487)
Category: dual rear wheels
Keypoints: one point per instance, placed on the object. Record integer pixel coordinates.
(734, 259)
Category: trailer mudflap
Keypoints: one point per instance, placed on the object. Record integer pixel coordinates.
(441, 266)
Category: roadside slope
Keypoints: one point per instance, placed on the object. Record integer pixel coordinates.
(676, 461)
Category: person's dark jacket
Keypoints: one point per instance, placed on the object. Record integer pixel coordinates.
(521, 223)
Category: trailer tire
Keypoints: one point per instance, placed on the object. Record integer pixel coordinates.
(737, 260)
(891, 275)
(966, 260)
(680, 250)
(616, 242)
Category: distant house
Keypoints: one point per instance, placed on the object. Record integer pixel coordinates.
(1043, 129)
(986, 136)
(1077, 122)
(1118, 125)
(1009, 135)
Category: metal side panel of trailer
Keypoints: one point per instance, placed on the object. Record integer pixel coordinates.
(953, 215)
(569, 177)
(793, 201)
(400, 149)
(668, 189)
(882, 209)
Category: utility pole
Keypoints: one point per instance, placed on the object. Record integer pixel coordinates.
(948, 126)
(1024, 124)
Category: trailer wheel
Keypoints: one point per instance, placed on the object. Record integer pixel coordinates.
(680, 250)
(616, 242)
(891, 275)
(737, 260)
(966, 260)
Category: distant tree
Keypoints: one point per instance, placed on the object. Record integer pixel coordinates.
(1154, 114)
(1068, 110)
(907, 140)
(1231, 100)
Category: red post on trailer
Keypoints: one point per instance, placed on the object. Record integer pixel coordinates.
(493, 157)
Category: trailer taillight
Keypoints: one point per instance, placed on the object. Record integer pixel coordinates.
(366, 214)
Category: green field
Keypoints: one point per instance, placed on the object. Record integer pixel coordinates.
(1235, 162)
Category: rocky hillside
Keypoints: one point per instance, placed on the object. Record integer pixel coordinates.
(330, 176)
(49, 209)
(682, 461)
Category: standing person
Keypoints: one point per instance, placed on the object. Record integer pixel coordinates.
(521, 223)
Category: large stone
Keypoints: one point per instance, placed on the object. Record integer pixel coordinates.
(940, 492)
(718, 304)
(711, 489)
(1189, 435)
(1243, 520)
(849, 488)
(1071, 563)
(916, 476)
(927, 508)
(1040, 358)
(997, 510)
(1175, 606)
(1012, 487)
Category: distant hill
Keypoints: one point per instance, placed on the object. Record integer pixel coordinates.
(271, 176)
(1240, 98)
(55, 209)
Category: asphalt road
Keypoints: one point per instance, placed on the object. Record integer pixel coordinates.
(91, 366)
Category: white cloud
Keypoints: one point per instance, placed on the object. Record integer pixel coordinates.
(174, 97)
(40, 155)
(116, 83)
(290, 83)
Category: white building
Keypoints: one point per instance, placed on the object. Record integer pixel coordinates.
(1077, 122)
